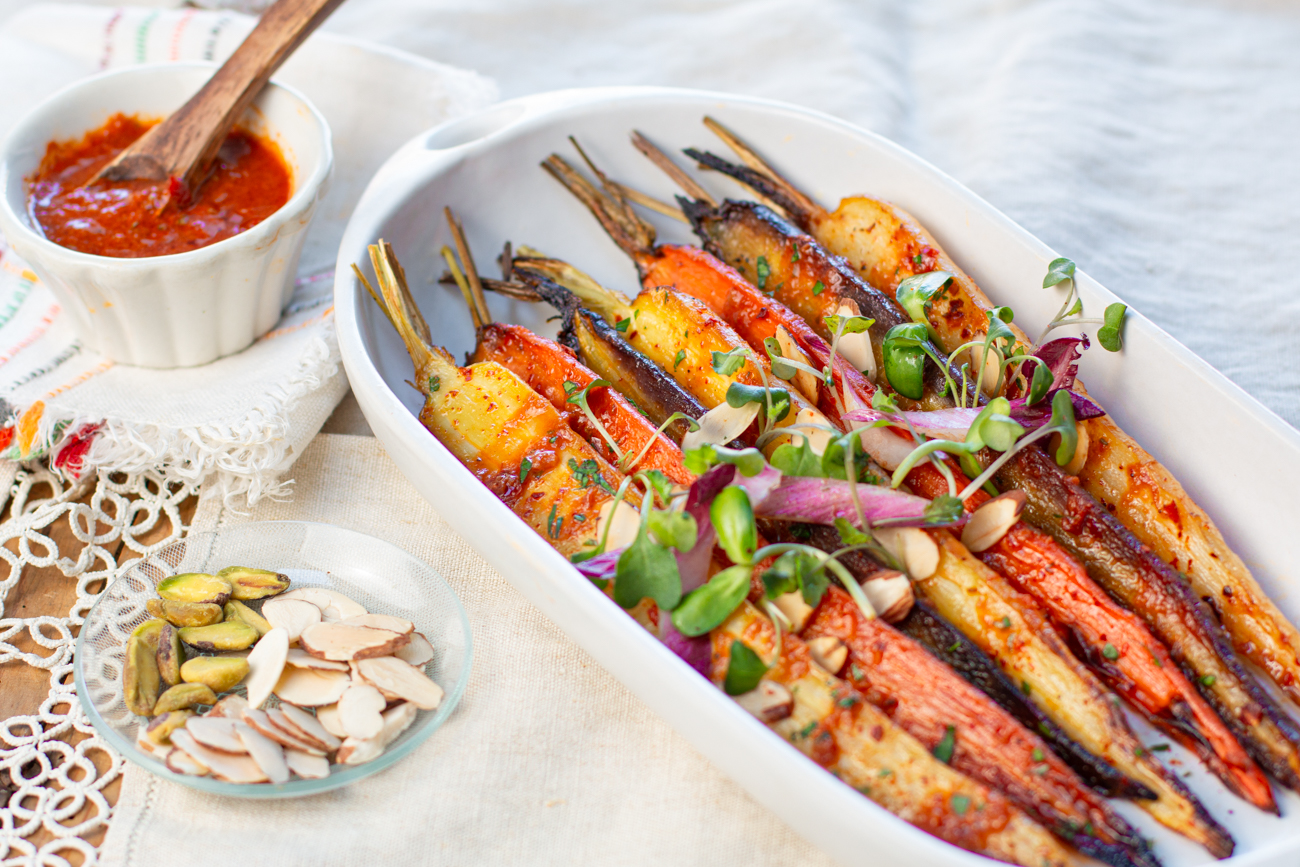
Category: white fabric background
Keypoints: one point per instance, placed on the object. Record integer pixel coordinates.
(1155, 142)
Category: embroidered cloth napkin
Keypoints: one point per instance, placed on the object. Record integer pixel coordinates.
(244, 418)
(547, 761)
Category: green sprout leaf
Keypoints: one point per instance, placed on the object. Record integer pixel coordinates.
(647, 568)
(1066, 426)
(781, 367)
(797, 460)
(739, 394)
(994, 427)
(1040, 384)
(852, 324)
(915, 293)
(944, 509)
(733, 519)
(1001, 335)
(1108, 335)
(727, 363)
(745, 669)
(660, 484)
(882, 402)
(673, 529)
(851, 535)
(796, 570)
(832, 461)
(969, 464)
(748, 462)
(1058, 271)
(1076, 308)
(709, 605)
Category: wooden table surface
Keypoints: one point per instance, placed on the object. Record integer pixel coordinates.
(47, 592)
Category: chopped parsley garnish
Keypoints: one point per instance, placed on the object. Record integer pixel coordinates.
(954, 647)
(621, 325)
(587, 472)
(1208, 680)
(943, 750)
(552, 524)
(1005, 623)
(960, 804)
(794, 254)
(679, 358)
(917, 260)
(819, 287)
(524, 466)
(435, 383)
(1038, 754)
(1109, 651)
(763, 271)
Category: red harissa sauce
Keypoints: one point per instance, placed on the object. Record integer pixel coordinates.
(127, 220)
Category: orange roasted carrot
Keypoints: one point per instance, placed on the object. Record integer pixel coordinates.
(545, 366)
(936, 707)
(1116, 644)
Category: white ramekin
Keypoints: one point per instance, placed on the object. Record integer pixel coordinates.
(189, 308)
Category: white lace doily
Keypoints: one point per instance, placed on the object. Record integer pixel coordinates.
(53, 767)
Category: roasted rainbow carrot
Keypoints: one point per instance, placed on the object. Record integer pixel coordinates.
(1195, 640)
(886, 245)
(492, 422)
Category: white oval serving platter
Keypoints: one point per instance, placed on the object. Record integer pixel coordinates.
(486, 168)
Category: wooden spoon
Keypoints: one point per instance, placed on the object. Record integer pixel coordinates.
(183, 146)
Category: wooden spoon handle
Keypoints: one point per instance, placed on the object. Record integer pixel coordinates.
(184, 145)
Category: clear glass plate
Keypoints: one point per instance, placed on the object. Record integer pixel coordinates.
(380, 576)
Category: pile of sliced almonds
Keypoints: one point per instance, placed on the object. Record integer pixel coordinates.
(348, 682)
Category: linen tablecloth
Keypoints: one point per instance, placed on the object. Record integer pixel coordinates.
(547, 760)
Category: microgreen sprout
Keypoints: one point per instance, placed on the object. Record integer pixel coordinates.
(1111, 325)
(578, 395)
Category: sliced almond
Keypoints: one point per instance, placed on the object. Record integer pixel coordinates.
(396, 721)
(890, 593)
(293, 730)
(856, 348)
(333, 605)
(993, 520)
(306, 687)
(913, 548)
(181, 762)
(260, 721)
(267, 753)
(361, 711)
(390, 674)
(803, 381)
(623, 529)
(796, 610)
(770, 702)
(417, 652)
(312, 726)
(345, 643)
(381, 621)
(828, 652)
(293, 615)
(812, 424)
(992, 365)
(721, 425)
(230, 706)
(215, 733)
(307, 765)
(300, 658)
(328, 717)
(223, 766)
(266, 664)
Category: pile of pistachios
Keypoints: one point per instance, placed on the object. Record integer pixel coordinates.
(346, 682)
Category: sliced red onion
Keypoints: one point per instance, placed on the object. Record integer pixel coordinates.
(821, 501)
(697, 652)
(602, 566)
